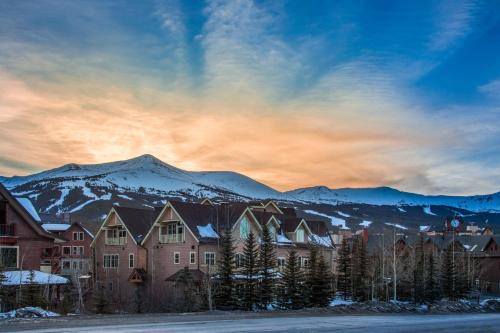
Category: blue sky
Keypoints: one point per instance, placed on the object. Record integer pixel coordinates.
(360, 93)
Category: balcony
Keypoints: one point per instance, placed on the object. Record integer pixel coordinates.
(116, 241)
(7, 230)
(173, 238)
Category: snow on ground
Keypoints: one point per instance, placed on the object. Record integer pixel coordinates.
(339, 301)
(77, 208)
(207, 231)
(123, 196)
(343, 214)
(26, 203)
(335, 221)
(427, 210)
(424, 228)
(56, 226)
(22, 277)
(401, 210)
(365, 223)
(399, 226)
(28, 312)
(60, 201)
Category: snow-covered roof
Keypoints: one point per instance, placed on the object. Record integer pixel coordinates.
(324, 241)
(26, 203)
(283, 239)
(56, 226)
(207, 231)
(425, 228)
(23, 277)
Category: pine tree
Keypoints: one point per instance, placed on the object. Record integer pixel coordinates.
(311, 290)
(448, 274)
(418, 272)
(431, 284)
(359, 270)
(250, 270)
(344, 281)
(267, 264)
(292, 283)
(185, 281)
(226, 294)
(101, 303)
(32, 296)
(4, 293)
(67, 303)
(322, 290)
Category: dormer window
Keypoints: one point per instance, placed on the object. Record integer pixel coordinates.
(244, 228)
(272, 231)
(300, 235)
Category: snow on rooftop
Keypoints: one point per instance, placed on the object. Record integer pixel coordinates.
(325, 240)
(56, 226)
(425, 228)
(365, 223)
(26, 203)
(23, 277)
(399, 226)
(207, 231)
(427, 210)
(283, 239)
(401, 210)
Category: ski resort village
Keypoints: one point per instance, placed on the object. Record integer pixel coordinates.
(128, 248)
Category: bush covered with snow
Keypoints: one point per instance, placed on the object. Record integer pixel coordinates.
(28, 312)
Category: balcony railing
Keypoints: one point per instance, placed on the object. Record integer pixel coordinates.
(173, 238)
(7, 230)
(116, 241)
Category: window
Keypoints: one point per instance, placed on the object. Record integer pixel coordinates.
(66, 264)
(304, 262)
(75, 265)
(281, 263)
(177, 258)
(272, 231)
(172, 233)
(192, 258)
(239, 260)
(300, 235)
(110, 261)
(244, 228)
(110, 286)
(67, 250)
(3, 212)
(9, 256)
(210, 258)
(80, 265)
(131, 263)
(116, 236)
(78, 236)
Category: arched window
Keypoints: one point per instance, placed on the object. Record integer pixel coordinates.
(244, 228)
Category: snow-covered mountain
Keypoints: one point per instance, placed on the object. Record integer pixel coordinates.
(393, 197)
(147, 181)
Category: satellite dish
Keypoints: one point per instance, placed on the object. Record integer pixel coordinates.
(455, 223)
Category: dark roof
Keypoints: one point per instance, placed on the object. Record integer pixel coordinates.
(262, 217)
(138, 220)
(196, 274)
(289, 211)
(195, 214)
(288, 223)
(25, 214)
(318, 227)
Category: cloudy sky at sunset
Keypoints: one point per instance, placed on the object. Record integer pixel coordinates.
(292, 93)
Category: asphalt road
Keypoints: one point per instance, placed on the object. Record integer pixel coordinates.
(483, 323)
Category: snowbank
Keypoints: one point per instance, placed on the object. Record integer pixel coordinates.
(14, 278)
(28, 312)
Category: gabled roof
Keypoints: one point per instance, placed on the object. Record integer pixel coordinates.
(289, 211)
(194, 215)
(138, 221)
(21, 210)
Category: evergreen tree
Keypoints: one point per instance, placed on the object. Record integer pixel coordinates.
(311, 289)
(185, 281)
(322, 291)
(293, 283)
(267, 264)
(431, 284)
(250, 271)
(448, 273)
(139, 299)
(462, 284)
(418, 272)
(31, 295)
(68, 302)
(359, 269)
(344, 281)
(101, 303)
(226, 294)
(4, 293)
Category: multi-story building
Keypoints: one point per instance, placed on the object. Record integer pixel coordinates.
(24, 244)
(146, 249)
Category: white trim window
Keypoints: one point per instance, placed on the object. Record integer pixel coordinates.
(192, 258)
(299, 235)
(244, 228)
(131, 260)
(281, 263)
(239, 260)
(210, 258)
(66, 250)
(78, 236)
(177, 258)
(9, 256)
(110, 261)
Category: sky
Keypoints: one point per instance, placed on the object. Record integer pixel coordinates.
(291, 93)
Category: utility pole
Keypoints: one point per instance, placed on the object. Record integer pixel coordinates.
(394, 284)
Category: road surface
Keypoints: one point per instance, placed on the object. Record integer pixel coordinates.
(466, 323)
